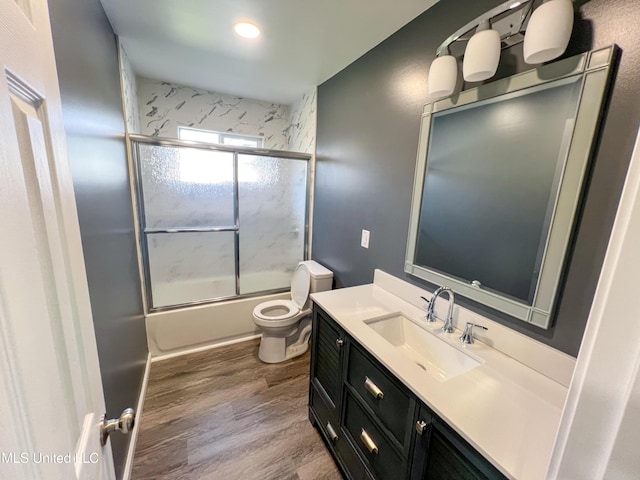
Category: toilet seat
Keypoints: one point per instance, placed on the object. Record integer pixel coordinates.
(262, 310)
(300, 284)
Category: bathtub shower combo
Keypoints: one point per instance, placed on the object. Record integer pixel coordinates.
(217, 222)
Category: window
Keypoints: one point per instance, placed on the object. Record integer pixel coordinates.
(223, 138)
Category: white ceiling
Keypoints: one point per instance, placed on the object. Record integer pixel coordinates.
(303, 42)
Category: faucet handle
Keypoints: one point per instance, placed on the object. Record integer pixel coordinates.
(467, 335)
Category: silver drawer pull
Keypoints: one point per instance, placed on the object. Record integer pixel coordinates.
(373, 389)
(332, 433)
(339, 343)
(366, 439)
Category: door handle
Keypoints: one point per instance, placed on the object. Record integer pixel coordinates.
(124, 424)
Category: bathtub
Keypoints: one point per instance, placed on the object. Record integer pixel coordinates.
(193, 328)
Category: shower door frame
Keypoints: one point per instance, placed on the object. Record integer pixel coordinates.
(141, 227)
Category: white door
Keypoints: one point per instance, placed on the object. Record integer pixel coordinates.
(51, 396)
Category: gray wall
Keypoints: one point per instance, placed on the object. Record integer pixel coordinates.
(368, 121)
(86, 57)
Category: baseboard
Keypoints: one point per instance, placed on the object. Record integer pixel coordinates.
(128, 466)
(187, 351)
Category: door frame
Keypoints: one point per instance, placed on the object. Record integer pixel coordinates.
(597, 437)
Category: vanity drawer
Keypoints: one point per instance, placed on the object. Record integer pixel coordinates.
(390, 403)
(326, 415)
(382, 458)
(327, 423)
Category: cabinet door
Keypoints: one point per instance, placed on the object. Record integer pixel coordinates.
(441, 454)
(326, 364)
(328, 343)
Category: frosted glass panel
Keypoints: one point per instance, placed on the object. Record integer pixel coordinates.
(186, 187)
(197, 249)
(191, 267)
(272, 203)
(493, 172)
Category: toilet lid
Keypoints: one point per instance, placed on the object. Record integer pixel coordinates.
(300, 283)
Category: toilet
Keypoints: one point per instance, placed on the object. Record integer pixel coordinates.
(286, 323)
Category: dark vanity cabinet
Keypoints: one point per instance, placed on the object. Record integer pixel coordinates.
(329, 344)
(439, 453)
(374, 426)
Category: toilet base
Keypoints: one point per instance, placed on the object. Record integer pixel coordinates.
(276, 348)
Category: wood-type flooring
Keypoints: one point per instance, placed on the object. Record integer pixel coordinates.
(223, 414)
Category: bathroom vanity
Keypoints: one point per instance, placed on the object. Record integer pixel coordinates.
(395, 398)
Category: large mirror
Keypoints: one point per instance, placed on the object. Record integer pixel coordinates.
(499, 177)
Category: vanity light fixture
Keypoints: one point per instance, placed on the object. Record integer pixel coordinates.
(443, 75)
(247, 29)
(482, 54)
(548, 31)
(545, 32)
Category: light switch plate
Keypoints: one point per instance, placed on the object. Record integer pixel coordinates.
(364, 242)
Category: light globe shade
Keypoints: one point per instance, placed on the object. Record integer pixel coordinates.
(482, 56)
(548, 32)
(443, 75)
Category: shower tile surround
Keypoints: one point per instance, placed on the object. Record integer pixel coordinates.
(129, 93)
(302, 131)
(166, 106)
(272, 214)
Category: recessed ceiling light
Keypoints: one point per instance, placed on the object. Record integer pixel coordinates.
(246, 29)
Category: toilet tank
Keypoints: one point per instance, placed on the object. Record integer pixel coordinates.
(321, 277)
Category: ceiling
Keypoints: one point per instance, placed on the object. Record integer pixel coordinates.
(303, 42)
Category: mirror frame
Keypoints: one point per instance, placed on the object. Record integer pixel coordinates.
(595, 68)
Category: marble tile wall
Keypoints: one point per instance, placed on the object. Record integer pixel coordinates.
(303, 139)
(166, 106)
(129, 93)
(302, 130)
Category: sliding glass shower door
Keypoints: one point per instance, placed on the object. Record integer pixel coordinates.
(272, 198)
(218, 222)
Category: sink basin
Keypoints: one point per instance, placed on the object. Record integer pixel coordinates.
(439, 359)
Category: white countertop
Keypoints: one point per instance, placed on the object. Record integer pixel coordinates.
(507, 411)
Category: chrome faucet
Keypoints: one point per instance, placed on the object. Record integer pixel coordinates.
(429, 313)
(431, 308)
